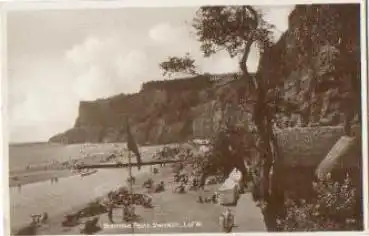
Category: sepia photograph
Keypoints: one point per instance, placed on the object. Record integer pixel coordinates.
(185, 119)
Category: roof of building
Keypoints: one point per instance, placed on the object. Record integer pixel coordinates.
(308, 146)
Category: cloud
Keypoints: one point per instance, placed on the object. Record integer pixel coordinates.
(219, 63)
(278, 16)
(132, 65)
(47, 79)
(41, 105)
(166, 32)
(106, 66)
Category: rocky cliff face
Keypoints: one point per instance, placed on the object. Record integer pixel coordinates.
(162, 112)
(315, 65)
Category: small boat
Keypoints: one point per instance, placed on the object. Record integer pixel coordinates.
(90, 172)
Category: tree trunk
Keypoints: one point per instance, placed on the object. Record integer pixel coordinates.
(263, 121)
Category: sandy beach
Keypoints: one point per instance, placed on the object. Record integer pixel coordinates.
(171, 212)
(58, 198)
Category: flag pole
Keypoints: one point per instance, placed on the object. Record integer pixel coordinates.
(130, 185)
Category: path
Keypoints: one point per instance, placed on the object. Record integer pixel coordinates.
(248, 216)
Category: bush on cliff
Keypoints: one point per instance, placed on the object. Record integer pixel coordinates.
(334, 208)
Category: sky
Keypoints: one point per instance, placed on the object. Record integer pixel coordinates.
(57, 58)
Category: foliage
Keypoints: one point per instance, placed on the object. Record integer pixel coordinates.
(227, 149)
(234, 29)
(230, 28)
(178, 64)
(333, 208)
(167, 152)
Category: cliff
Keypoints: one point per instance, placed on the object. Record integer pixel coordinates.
(315, 65)
(162, 112)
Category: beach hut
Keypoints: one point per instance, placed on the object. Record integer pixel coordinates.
(236, 176)
(229, 190)
(337, 156)
(307, 153)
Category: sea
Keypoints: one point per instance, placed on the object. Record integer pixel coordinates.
(69, 192)
(34, 154)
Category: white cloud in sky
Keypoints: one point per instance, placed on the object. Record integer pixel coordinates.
(167, 33)
(278, 16)
(45, 88)
(106, 66)
(40, 104)
(132, 65)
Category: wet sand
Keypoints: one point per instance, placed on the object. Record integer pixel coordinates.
(37, 176)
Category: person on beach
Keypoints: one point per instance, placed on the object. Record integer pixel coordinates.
(35, 219)
(226, 221)
(126, 212)
(44, 218)
(110, 211)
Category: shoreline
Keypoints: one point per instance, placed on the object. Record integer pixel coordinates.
(38, 176)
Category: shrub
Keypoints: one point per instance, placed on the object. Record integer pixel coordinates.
(334, 208)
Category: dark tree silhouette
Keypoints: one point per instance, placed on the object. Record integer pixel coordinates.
(178, 64)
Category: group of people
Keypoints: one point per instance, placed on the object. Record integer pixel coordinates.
(149, 185)
(128, 210)
(213, 199)
(54, 180)
(38, 219)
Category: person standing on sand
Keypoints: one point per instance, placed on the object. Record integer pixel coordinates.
(110, 211)
(19, 187)
(125, 210)
(226, 221)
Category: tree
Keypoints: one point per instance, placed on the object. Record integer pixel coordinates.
(235, 29)
(178, 64)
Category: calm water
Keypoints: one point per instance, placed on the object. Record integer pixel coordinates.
(43, 153)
